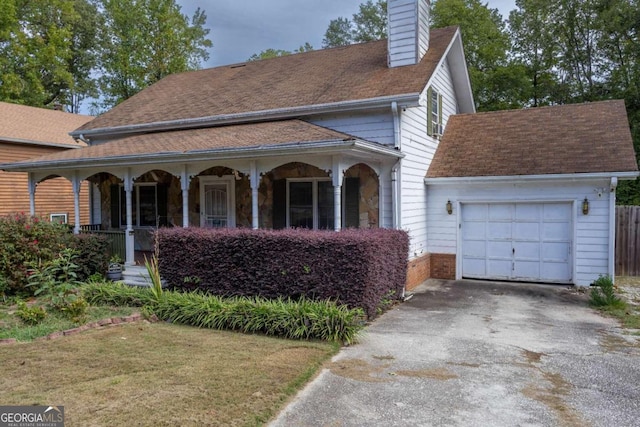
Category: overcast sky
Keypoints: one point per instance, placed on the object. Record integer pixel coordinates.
(240, 28)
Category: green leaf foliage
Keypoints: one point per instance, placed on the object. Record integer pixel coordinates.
(146, 40)
(300, 319)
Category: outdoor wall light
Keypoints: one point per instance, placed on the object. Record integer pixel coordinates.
(449, 207)
(585, 206)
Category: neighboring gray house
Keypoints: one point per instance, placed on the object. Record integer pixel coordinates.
(344, 137)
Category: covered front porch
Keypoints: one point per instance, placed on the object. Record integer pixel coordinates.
(351, 188)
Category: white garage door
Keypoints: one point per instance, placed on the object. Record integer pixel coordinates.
(517, 241)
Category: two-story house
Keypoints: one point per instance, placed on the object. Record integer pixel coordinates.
(379, 134)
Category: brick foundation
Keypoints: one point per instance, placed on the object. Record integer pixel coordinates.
(418, 270)
(443, 266)
(430, 266)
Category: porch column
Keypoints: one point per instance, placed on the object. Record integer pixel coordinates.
(184, 186)
(77, 184)
(337, 193)
(129, 237)
(32, 194)
(255, 184)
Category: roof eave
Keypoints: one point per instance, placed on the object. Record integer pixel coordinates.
(405, 100)
(519, 179)
(259, 151)
(22, 141)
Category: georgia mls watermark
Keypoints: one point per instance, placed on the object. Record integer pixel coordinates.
(31, 416)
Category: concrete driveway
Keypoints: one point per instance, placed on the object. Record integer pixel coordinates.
(471, 353)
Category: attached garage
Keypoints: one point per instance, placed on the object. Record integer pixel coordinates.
(517, 241)
(528, 195)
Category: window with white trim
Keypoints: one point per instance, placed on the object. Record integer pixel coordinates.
(60, 218)
(434, 113)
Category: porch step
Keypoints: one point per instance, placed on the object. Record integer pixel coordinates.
(135, 275)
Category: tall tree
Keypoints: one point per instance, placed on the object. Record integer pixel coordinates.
(274, 53)
(486, 43)
(369, 23)
(534, 46)
(35, 45)
(146, 40)
(85, 47)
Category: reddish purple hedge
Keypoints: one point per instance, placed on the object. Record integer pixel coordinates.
(355, 267)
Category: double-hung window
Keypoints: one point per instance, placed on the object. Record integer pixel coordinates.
(310, 203)
(434, 113)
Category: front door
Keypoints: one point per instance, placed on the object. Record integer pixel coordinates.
(216, 209)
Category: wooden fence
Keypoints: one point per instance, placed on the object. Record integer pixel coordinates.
(627, 240)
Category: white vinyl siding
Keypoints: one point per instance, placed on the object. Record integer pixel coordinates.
(405, 29)
(590, 234)
(419, 149)
(375, 127)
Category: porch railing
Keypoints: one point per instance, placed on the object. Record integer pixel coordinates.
(116, 239)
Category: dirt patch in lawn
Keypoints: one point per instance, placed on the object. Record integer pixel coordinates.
(159, 374)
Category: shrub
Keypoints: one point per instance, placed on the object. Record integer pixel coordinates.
(30, 315)
(93, 254)
(26, 241)
(301, 319)
(355, 267)
(603, 294)
(116, 293)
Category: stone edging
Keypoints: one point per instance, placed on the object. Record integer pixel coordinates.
(113, 321)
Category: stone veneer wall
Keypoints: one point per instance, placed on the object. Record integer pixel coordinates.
(369, 194)
(368, 206)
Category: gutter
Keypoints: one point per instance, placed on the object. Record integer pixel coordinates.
(221, 153)
(408, 100)
(520, 179)
(40, 143)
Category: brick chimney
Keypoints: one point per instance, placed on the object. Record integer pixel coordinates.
(408, 31)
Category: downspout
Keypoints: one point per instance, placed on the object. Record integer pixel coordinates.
(612, 227)
(396, 176)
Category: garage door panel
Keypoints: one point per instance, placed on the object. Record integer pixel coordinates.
(527, 212)
(474, 267)
(517, 241)
(529, 270)
(526, 250)
(501, 212)
(501, 249)
(557, 211)
(552, 270)
(526, 231)
(556, 231)
(474, 231)
(500, 269)
(499, 230)
(558, 252)
(475, 249)
(474, 213)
